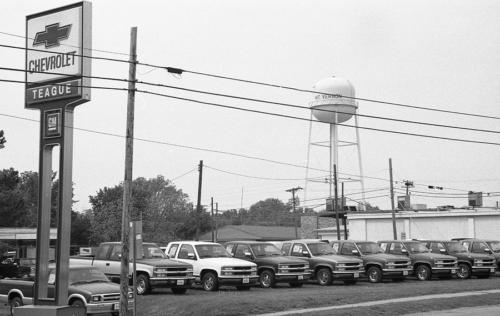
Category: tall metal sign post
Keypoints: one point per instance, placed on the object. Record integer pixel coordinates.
(58, 60)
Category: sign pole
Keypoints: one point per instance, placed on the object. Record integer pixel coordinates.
(127, 183)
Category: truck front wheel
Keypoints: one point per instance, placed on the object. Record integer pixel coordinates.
(16, 301)
(267, 279)
(324, 276)
(463, 271)
(374, 274)
(209, 282)
(423, 272)
(142, 285)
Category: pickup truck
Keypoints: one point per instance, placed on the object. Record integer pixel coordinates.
(325, 263)
(272, 266)
(483, 246)
(88, 288)
(13, 268)
(425, 264)
(378, 265)
(469, 264)
(213, 265)
(154, 269)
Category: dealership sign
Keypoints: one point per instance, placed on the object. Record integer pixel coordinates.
(58, 55)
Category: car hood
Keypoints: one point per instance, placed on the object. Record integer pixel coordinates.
(431, 256)
(339, 258)
(280, 260)
(162, 262)
(385, 257)
(471, 255)
(95, 288)
(226, 262)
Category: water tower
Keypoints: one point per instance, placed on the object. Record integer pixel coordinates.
(334, 104)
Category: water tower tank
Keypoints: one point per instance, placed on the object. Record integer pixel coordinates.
(334, 95)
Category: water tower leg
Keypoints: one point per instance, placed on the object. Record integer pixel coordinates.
(361, 174)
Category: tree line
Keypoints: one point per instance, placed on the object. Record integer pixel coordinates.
(166, 211)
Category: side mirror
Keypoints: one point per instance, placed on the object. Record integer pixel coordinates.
(442, 250)
(283, 253)
(355, 252)
(191, 256)
(404, 251)
(488, 250)
(247, 254)
(305, 253)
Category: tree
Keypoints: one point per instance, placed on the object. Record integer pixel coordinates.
(12, 207)
(165, 211)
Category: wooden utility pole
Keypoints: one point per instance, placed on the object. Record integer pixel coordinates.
(127, 183)
(336, 204)
(198, 204)
(212, 218)
(216, 219)
(345, 216)
(293, 190)
(394, 232)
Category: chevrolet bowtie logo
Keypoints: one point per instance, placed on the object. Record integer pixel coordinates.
(52, 35)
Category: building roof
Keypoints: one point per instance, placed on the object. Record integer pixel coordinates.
(248, 232)
(22, 233)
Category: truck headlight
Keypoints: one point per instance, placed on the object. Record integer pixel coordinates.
(96, 298)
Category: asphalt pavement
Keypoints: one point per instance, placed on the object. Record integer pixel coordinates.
(491, 310)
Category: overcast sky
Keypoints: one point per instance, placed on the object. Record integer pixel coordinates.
(436, 54)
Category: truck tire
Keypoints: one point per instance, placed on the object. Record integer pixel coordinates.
(463, 271)
(324, 276)
(374, 275)
(267, 279)
(142, 285)
(77, 303)
(16, 301)
(209, 282)
(422, 272)
(177, 290)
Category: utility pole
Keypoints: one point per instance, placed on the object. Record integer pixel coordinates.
(394, 232)
(127, 183)
(212, 217)
(345, 216)
(198, 204)
(293, 190)
(336, 205)
(216, 219)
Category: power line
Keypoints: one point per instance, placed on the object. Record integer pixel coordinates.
(257, 177)
(261, 101)
(180, 71)
(184, 174)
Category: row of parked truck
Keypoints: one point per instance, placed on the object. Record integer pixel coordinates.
(243, 264)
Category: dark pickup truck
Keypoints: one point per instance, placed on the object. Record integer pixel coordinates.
(483, 246)
(469, 264)
(425, 264)
(325, 263)
(154, 269)
(272, 266)
(88, 288)
(378, 265)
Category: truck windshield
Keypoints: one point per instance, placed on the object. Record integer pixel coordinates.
(456, 247)
(416, 247)
(320, 249)
(211, 251)
(90, 275)
(152, 252)
(494, 246)
(368, 248)
(265, 250)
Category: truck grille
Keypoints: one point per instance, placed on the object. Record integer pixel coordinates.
(484, 263)
(173, 272)
(350, 266)
(292, 268)
(111, 297)
(399, 264)
(239, 271)
(446, 263)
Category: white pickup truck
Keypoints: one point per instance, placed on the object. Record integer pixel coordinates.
(213, 265)
(154, 269)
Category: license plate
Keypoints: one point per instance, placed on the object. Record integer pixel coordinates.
(180, 282)
(116, 306)
(405, 272)
(492, 270)
(246, 280)
(356, 274)
(453, 271)
(300, 277)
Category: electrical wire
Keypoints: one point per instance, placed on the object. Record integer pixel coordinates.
(184, 174)
(261, 101)
(256, 177)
